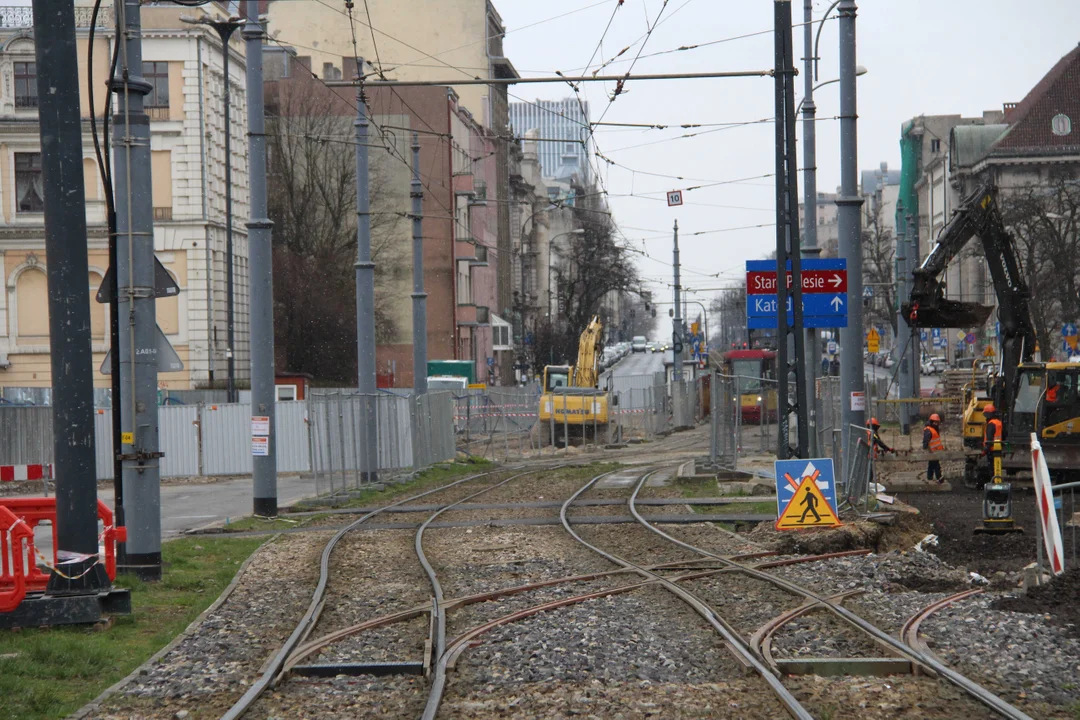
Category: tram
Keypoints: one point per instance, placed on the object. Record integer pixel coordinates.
(755, 378)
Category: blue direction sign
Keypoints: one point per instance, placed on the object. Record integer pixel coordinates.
(1069, 330)
(789, 473)
(824, 297)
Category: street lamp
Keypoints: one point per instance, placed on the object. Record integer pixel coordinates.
(859, 70)
(225, 29)
(551, 314)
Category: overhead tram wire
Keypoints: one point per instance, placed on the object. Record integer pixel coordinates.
(621, 84)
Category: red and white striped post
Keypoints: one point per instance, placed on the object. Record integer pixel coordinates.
(1044, 498)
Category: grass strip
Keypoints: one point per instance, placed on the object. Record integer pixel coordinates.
(50, 673)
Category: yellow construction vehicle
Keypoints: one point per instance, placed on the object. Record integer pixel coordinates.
(1030, 396)
(572, 405)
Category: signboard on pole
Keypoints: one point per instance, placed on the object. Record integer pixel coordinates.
(674, 197)
(873, 340)
(805, 494)
(824, 288)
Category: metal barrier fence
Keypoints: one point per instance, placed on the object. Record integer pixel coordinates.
(317, 435)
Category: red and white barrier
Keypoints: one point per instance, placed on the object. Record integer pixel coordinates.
(1044, 497)
(9, 473)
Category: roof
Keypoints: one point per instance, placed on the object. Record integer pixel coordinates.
(968, 144)
(1035, 127)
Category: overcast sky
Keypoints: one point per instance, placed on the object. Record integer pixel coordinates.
(922, 56)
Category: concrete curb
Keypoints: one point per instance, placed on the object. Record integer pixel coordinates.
(195, 624)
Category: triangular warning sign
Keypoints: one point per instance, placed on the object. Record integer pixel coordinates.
(807, 508)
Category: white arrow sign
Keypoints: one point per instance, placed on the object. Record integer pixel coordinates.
(836, 281)
(837, 303)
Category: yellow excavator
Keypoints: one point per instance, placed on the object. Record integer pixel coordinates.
(573, 408)
(1031, 396)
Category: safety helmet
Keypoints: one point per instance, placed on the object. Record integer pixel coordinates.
(934, 417)
(989, 408)
(874, 422)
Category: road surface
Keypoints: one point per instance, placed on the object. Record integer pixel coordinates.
(644, 363)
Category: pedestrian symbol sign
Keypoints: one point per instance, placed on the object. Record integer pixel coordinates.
(805, 494)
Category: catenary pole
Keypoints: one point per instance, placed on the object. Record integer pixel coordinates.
(810, 247)
(852, 382)
(676, 324)
(225, 31)
(365, 292)
(135, 296)
(419, 297)
(60, 129)
(260, 272)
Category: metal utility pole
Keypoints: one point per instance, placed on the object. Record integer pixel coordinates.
(260, 277)
(64, 194)
(419, 297)
(787, 250)
(365, 292)
(852, 382)
(676, 324)
(906, 257)
(810, 247)
(134, 271)
(225, 29)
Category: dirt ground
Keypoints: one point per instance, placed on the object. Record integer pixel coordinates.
(953, 517)
(1057, 599)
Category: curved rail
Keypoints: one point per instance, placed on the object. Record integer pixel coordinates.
(761, 640)
(307, 622)
(732, 638)
(910, 632)
(438, 641)
(976, 691)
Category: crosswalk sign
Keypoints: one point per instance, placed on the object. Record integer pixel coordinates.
(805, 494)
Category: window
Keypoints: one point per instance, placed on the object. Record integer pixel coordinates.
(26, 85)
(285, 393)
(157, 74)
(935, 145)
(500, 336)
(28, 191)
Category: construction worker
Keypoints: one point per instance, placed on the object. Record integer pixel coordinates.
(931, 441)
(877, 445)
(992, 438)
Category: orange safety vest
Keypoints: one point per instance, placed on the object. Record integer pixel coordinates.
(993, 433)
(1052, 393)
(936, 445)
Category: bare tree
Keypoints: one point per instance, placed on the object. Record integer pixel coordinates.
(728, 310)
(588, 267)
(879, 263)
(312, 202)
(1044, 220)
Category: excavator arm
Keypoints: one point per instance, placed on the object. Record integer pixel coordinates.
(978, 215)
(586, 370)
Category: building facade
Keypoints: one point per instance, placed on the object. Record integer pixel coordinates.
(471, 48)
(184, 67)
(563, 134)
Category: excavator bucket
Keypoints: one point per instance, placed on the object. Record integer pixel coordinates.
(946, 314)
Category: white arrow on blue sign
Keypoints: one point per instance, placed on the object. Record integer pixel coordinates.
(1069, 330)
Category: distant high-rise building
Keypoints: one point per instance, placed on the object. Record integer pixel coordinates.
(560, 120)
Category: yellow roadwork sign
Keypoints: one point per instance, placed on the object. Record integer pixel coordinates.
(807, 508)
(989, 351)
(873, 340)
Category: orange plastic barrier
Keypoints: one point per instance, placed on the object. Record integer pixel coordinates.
(31, 512)
(15, 536)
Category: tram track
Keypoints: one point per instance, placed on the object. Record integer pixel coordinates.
(911, 652)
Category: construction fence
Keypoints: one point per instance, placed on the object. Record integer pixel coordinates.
(503, 423)
(317, 436)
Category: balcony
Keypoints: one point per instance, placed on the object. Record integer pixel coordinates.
(158, 112)
(19, 16)
(483, 315)
(162, 213)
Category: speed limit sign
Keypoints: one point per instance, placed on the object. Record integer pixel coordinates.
(674, 197)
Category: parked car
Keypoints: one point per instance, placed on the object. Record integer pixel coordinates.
(640, 342)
